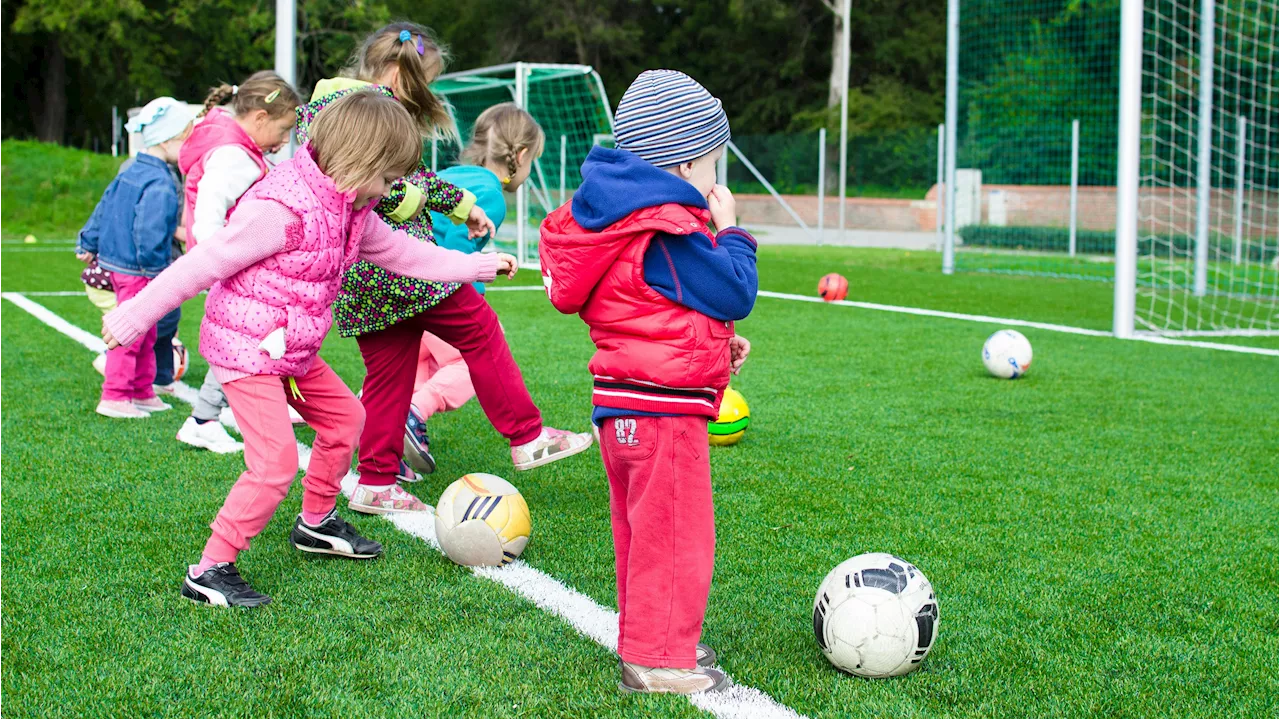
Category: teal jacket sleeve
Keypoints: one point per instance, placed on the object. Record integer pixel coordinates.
(454, 237)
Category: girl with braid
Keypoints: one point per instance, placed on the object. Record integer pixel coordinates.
(388, 313)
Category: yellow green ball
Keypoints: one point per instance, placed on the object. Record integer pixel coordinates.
(734, 419)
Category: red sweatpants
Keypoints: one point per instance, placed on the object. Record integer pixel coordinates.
(664, 534)
(261, 405)
(465, 321)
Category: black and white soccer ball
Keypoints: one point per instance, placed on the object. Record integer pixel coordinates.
(875, 615)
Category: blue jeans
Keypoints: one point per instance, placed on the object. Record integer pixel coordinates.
(166, 329)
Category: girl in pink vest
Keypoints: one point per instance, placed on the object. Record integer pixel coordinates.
(274, 273)
(388, 313)
(222, 159)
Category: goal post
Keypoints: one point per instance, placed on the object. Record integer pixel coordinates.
(570, 104)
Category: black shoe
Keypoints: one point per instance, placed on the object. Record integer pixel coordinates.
(222, 586)
(417, 444)
(333, 536)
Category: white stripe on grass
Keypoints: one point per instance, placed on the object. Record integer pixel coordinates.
(581, 612)
(1008, 322)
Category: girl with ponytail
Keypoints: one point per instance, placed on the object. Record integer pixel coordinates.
(225, 156)
(388, 313)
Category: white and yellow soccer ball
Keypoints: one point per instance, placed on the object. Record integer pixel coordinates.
(1007, 354)
(482, 521)
(875, 615)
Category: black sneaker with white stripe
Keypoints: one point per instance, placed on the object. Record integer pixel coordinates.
(333, 536)
(222, 586)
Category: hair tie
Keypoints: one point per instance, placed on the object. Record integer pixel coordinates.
(506, 181)
(235, 89)
(421, 50)
(405, 35)
(271, 96)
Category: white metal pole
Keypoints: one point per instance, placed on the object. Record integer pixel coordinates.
(522, 197)
(844, 111)
(286, 47)
(564, 163)
(434, 153)
(940, 179)
(1075, 185)
(822, 179)
(952, 110)
(115, 131)
(1204, 160)
(1127, 166)
(1237, 249)
(722, 168)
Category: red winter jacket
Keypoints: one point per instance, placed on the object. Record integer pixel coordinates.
(652, 354)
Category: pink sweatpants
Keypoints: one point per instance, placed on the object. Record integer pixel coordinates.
(443, 383)
(130, 370)
(664, 534)
(260, 404)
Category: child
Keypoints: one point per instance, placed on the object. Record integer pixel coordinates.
(222, 159)
(388, 313)
(632, 255)
(130, 235)
(505, 141)
(275, 271)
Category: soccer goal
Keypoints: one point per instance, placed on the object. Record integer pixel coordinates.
(568, 101)
(1199, 216)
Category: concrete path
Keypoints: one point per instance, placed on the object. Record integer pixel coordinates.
(794, 235)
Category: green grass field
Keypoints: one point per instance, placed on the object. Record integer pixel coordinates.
(1102, 534)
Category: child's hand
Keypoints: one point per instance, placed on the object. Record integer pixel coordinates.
(109, 338)
(85, 257)
(479, 224)
(507, 265)
(739, 348)
(724, 209)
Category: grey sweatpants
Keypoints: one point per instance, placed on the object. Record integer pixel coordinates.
(209, 404)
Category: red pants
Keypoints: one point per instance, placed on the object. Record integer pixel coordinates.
(132, 369)
(664, 534)
(261, 405)
(465, 321)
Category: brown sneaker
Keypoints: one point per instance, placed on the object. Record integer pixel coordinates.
(667, 680)
(706, 655)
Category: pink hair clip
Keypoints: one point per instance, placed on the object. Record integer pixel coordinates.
(421, 50)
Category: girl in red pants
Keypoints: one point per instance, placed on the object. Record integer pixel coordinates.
(387, 313)
(275, 270)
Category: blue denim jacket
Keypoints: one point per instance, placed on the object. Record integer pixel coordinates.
(131, 229)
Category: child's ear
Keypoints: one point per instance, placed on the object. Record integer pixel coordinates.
(686, 170)
(522, 157)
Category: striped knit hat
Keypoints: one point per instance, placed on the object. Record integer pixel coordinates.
(667, 118)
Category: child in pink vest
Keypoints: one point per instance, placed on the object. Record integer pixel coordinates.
(275, 270)
(222, 159)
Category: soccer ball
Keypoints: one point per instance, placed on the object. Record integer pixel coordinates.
(179, 359)
(875, 616)
(734, 419)
(482, 521)
(1007, 354)
(833, 287)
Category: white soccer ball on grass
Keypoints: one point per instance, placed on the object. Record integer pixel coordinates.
(1007, 354)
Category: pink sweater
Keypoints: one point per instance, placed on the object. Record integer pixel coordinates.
(257, 231)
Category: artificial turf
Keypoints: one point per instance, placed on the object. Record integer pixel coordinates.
(1102, 534)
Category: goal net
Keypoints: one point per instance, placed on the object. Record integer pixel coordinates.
(570, 104)
(1209, 172)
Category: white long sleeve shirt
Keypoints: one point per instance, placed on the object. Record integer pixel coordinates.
(229, 172)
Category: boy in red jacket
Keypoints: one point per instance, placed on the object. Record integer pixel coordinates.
(633, 255)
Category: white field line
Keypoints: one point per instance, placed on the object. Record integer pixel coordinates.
(581, 612)
(55, 293)
(1005, 321)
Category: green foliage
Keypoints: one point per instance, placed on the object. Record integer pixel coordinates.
(50, 191)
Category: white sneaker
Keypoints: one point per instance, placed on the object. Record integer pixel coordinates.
(551, 445)
(210, 436)
(153, 404)
(384, 500)
(295, 417)
(170, 390)
(228, 420)
(120, 409)
(100, 363)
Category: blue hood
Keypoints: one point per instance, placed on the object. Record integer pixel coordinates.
(616, 183)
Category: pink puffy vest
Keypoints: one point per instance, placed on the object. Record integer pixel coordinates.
(652, 354)
(294, 288)
(217, 129)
